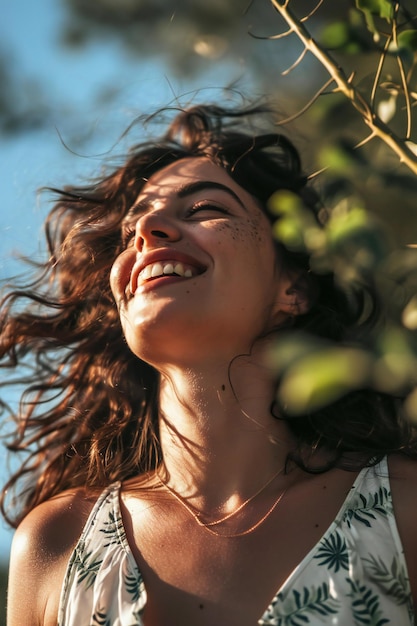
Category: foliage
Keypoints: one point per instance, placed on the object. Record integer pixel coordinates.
(194, 36)
(353, 244)
(186, 33)
(389, 31)
(352, 72)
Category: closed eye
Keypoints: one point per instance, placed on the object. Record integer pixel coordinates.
(206, 207)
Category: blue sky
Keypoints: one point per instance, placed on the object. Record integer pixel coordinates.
(29, 32)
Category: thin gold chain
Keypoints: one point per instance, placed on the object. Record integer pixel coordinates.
(193, 511)
(207, 525)
(254, 526)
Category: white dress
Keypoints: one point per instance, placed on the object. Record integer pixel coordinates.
(355, 575)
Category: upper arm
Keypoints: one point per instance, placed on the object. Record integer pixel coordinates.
(40, 551)
(23, 595)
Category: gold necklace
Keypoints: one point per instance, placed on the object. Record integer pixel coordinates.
(207, 525)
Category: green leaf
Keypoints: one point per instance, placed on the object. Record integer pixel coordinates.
(408, 40)
(344, 35)
(356, 236)
(379, 8)
(336, 35)
(346, 225)
(284, 201)
(290, 233)
(395, 369)
(287, 350)
(375, 8)
(323, 377)
(338, 159)
(355, 228)
(296, 227)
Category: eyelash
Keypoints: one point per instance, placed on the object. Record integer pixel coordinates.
(128, 234)
(206, 207)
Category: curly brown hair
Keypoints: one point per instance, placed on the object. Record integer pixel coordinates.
(88, 415)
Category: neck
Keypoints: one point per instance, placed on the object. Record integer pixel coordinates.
(219, 441)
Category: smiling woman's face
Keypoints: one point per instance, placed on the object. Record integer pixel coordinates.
(199, 273)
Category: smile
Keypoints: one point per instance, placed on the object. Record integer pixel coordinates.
(163, 264)
(167, 268)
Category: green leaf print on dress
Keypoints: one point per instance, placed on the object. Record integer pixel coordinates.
(333, 552)
(113, 529)
(100, 619)
(393, 580)
(86, 566)
(297, 608)
(134, 585)
(365, 605)
(364, 509)
(320, 591)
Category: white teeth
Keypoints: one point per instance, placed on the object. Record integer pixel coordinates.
(146, 273)
(154, 270)
(169, 268)
(157, 270)
(179, 269)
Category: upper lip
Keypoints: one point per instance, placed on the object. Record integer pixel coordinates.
(166, 254)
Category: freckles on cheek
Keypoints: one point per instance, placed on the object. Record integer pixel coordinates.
(258, 229)
(252, 232)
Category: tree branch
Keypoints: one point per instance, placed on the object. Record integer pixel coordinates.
(403, 77)
(344, 85)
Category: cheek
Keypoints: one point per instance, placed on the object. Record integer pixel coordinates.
(255, 230)
(260, 229)
(120, 274)
(250, 261)
(253, 239)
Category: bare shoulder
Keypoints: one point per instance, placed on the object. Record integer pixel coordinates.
(53, 527)
(41, 547)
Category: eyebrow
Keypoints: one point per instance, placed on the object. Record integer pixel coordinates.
(200, 185)
(187, 190)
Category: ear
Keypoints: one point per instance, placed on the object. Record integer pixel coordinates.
(295, 293)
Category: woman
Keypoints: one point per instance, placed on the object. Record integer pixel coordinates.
(166, 487)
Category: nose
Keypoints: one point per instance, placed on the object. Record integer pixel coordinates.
(154, 226)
